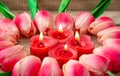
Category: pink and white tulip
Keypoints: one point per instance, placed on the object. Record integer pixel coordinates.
(100, 24)
(83, 21)
(28, 66)
(5, 44)
(95, 63)
(110, 35)
(74, 68)
(5, 37)
(50, 67)
(112, 43)
(9, 27)
(25, 24)
(108, 30)
(65, 20)
(112, 54)
(10, 56)
(44, 21)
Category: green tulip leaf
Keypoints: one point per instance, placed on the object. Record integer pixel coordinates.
(63, 5)
(5, 11)
(100, 8)
(5, 73)
(110, 73)
(33, 6)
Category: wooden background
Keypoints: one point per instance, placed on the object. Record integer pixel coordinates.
(75, 5)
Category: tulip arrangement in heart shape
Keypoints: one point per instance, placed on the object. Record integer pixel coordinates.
(63, 47)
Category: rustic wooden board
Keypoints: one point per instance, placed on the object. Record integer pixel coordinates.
(115, 15)
(75, 5)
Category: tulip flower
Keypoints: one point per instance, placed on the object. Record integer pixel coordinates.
(108, 30)
(74, 68)
(110, 35)
(25, 24)
(95, 63)
(28, 66)
(112, 53)
(112, 43)
(10, 56)
(43, 21)
(5, 44)
(83, 21)
(5, 37)
(100, 24)
(50, 67)
(9, 28)
(65, 20)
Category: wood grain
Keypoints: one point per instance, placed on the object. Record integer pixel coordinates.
(53, 5)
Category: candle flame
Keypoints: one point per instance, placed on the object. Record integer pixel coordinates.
(41, 37)
(77, 37)
(60, 29)
(66, 47)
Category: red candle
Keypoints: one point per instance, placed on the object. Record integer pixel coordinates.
(61, 35)
(40, 45)
(62, 53)
(81, 43)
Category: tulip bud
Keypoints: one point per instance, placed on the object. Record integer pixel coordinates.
(50, 67)
(5, 44)
(108, 30)
(65, 20)
(8, 26)
(83, 21)
(111, 53)
(25, 24)
(43, 20)
(100, 24)
(111, 35)
(95, 63)
(5, 37)
(10, 56)
(28, 66)
(74, 68)
(112, 43)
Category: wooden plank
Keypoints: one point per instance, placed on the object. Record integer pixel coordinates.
(75, 5)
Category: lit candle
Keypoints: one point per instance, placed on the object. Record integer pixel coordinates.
(61, 35)
(40, 45)
(62, 53)
(82, 43)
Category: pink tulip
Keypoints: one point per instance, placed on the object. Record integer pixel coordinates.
(65, 20)
(5, 44)
(10, 56)
(74, 68)
(43, 20)
(111, 35)
(112, 53)
(50, 67)
(25, 24)
(95, 63)
(108, 30)
(100, 24)
(28, 66)
(5, 37)
(83, 21)
(8, 26)
(112, 43)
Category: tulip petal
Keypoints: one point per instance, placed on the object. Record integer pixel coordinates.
(74, 68)
(5, 44)
(25, 24)
(10, 56)
(43, 20)
(50, 67)
(28, 66)
(111, 53)
(65, 20)
(100, 63)
(83, 21)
